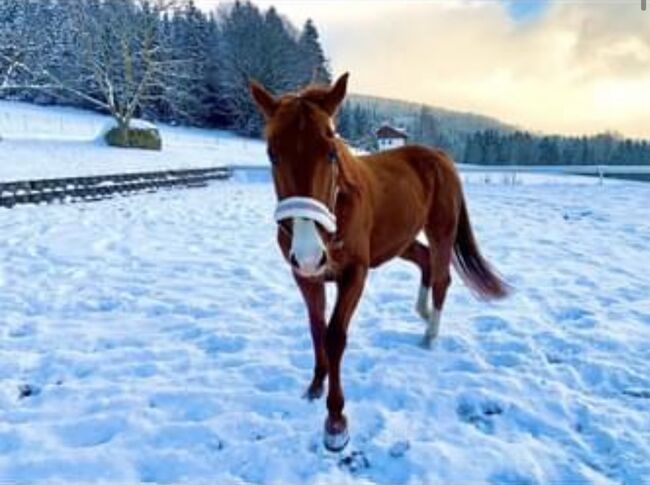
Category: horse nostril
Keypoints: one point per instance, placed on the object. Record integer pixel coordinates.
(323, 260)
(293, 261)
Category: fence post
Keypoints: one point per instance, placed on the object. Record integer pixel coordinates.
(600, 174)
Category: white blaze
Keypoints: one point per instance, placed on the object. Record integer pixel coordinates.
(306, 245)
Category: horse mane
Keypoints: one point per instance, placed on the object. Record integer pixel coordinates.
(315, 93)
(349, 170)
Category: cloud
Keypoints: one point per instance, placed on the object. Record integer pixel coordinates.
(573, 67)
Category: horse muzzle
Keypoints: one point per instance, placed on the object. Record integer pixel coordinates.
(308, 254)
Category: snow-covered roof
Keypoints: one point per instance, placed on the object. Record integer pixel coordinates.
(387, 131)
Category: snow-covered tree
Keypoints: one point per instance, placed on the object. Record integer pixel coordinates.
(149, 57)
(313, 64)
(186, 35)
(118, 60)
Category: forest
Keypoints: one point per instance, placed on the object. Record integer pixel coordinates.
(492, 144)
(163, 61)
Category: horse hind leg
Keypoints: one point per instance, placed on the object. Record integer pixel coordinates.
(440, 256)
(422, 303)
(419, 254)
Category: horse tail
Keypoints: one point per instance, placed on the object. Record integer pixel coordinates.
(475, 271)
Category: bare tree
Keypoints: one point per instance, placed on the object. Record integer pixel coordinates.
(122, 61)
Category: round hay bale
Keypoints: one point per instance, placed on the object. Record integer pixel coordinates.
(146, 138)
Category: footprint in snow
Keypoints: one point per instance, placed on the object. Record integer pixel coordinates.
(490, 323)
(510, 477)
(223, 344)
(399, 449)
(186, 436)
(355, 462)
(576, 317)
(190, 406)
(21, 331)
(391, 339)
(637, 393)
(273, 379)
(90, 432)
(480, 414)
(28, 390)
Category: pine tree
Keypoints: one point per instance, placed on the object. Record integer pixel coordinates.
(313, 66)
(186, 36)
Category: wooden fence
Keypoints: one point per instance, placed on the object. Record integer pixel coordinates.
(104, 186)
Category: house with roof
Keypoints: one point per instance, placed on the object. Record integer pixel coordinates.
(390, 137)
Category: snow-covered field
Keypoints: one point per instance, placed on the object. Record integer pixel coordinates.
(159, 338)
(38, 142)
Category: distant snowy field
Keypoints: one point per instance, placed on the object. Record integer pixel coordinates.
(39, 142)
(160, 338)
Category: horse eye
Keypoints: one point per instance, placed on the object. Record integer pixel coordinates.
(333, 156)
(272, 156)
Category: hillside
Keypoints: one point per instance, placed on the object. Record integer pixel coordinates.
(406, 112)
(48, 142)
(481, 140)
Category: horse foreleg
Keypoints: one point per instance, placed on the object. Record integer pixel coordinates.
(350, 287)
(313, 292)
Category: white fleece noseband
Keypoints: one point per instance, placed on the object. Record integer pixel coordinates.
(307, 208)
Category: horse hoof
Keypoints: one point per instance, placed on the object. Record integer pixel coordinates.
(313, 393)
(427, 341)
(336, 436)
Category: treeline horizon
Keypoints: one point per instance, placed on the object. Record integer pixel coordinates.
(494, 146)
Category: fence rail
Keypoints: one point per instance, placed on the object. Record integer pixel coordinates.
(561, 169)
(597, 170)
(104, 186)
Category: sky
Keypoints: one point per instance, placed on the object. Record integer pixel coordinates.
(551, 66)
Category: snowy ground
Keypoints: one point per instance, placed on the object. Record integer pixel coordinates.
(38, 142)
(160, 338)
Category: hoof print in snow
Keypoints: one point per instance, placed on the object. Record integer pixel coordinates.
(27, 390)
(491, 408)
(355, 462)
(554, 359)
(481, 415)
(637, 393)
(21, 331)
(399, 449)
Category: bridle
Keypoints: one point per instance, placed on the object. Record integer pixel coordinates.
(311, 208)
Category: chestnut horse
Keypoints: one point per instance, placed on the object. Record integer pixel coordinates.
(339, 215)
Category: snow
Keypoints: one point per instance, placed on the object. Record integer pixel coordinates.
(160, 338)
(38, 142)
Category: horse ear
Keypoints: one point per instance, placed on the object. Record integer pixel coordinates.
(265, 101)
(336, 94)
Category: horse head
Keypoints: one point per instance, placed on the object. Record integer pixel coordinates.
(305, 157)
